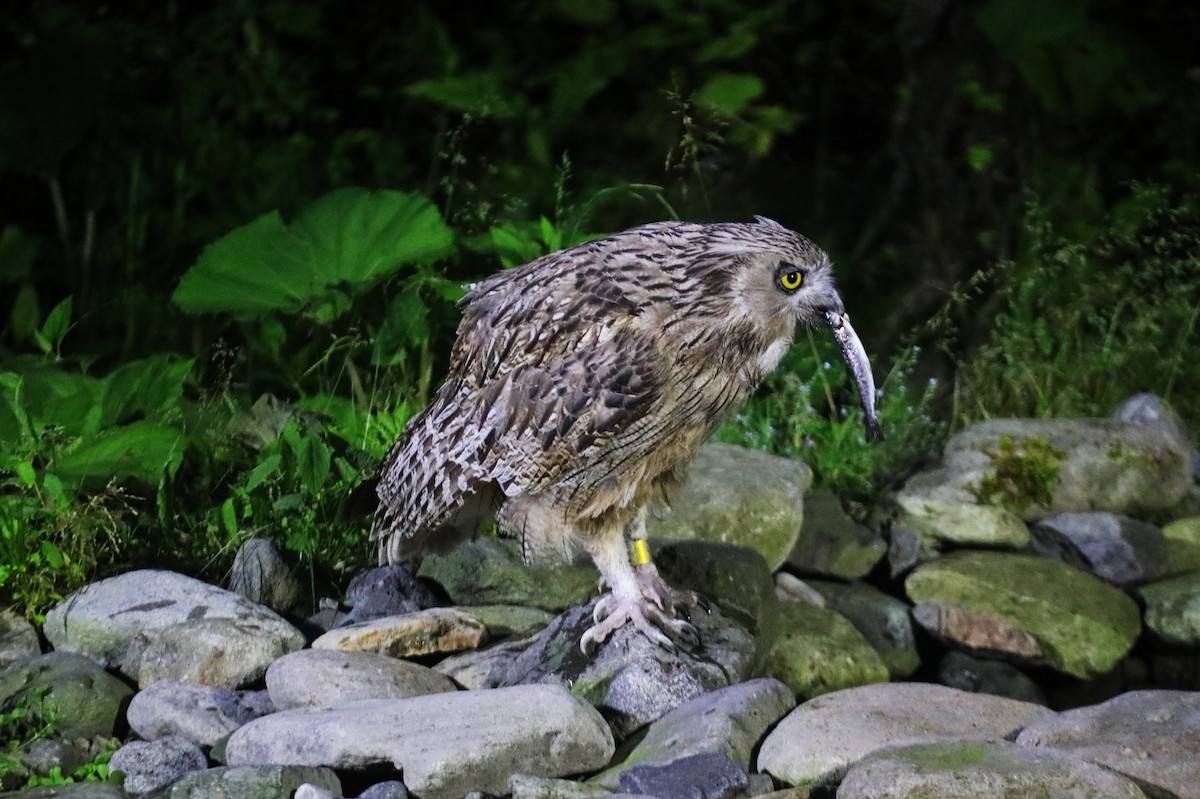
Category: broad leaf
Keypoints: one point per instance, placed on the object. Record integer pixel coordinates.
(141, 450)
(143, 387)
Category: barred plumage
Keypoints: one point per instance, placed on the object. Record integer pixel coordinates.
(580, 385)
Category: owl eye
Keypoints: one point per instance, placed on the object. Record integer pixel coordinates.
(788, 277)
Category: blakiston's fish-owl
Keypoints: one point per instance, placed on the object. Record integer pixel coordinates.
(580, 386)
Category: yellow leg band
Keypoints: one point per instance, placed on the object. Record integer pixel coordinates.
(639, 553)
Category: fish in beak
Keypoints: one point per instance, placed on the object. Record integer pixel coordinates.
(856, 359)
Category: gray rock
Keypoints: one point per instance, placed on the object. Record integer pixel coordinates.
(249, 782)
(391, 789)
(979, 675)
(979, 632)
(735, 495)
(71, 690)
(1173, 609)
(1179, 671)
(219, 652)
(818, 741)
(1116, 548)
(422, 632)
(260, 574)
(735, 577)
(1152, 411)
(470, 670)
(43, 755)
(707, 775)
(148, 765)
(1105, 465)
(310, 791)
(18, 639)
(906, 550)
(328, 677)
(938, 520)
(114, 620)
(389, 590)
(509, 620)
(816, 650)
(729, 721)
(999, 770)
(635, 680)
(522, 786)
(883, 620)
(831, 543)
(445, 744)
(1183, 545)
(1077, 623)
(197, 713)
(490, 571)
(1149, 736)
(78, 790)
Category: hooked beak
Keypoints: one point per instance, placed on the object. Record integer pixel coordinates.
(855, 356)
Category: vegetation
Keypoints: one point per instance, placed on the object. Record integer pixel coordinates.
(231, 234)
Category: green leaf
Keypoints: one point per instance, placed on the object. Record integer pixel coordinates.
(312, 463)
(229, 518)
(268, 468)
(406, 327)
(350, 236)
(26, 312)
(729, 93)
(143, 387)
(52, 397)
(18, 252)
(53, 555)
(475, 93)
(58, 321)
(141, 451)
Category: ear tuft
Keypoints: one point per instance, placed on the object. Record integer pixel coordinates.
(762, 220)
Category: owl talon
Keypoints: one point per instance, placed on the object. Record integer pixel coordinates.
(612, 612)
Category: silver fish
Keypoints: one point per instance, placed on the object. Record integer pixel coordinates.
(856, 358)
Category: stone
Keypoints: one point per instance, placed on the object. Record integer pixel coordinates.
(705, 775)
(200, 714)
(1116, 548)
(148, 765)
(1101, 464)
(78, 790)
(937, 520)
(831, 543)
(1179, 671)
(1173, 609)
(503, 621)
(330, 677)
(992, 770)
(250, 782)
(635, 680)
(980, 675)
(1150, 736)
(113, 621)
(18, 638)
(818, 741)
(422, 632)
(43, 755)
(817, 651)
(389, 590)
(490, 571)
(735, 495)
(470, 670)
(217, 652)
(444, 744)
(260, 574)
(523, 786)
(883, 620)
(789, 587)
(390, 789)
(735, 577)
(72, 691)
(310, 791)
(728, 721)
(979, 632)
(1152, 411)
(906, 550)
(1081, 625)
(1183, 545)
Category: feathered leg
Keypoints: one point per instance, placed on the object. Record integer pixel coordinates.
(653, 586)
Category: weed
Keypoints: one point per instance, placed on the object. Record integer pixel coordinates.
(1022, 475)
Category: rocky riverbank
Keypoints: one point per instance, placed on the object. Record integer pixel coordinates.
(1021, 618)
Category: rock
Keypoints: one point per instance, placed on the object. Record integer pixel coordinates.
(445, 744)
(735, 495)
(217, 652)
(522, 786)
(148, 765)
(470, 670)
(79, 790)
(1149, 736)
(310, 791)
(329, 677)
(788, 587)
(69, 690)
(938, 520)
(1173, 609)
(1183, 545)
(1082, 625)
(1049, 466)
(197, 713)
(978, 675)
(883, 620)
(817, 651)
(114, 620)
(18, 639)
(979, 632)
(389, 590)
(1181, 672)
(422, 632)
(729, 721)
(635, 680)
(706, 775)
(490, 571)
(999, 770)
(906, 550)
(1116, 548)
(735, 577)
(831, 543)
(820, 739)
(43, 755)
(250, 782)
(391, 789)
(261, 576)
(1152, 411)
(509, 620)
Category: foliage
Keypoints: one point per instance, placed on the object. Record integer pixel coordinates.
(1023, 474)
(96, 770)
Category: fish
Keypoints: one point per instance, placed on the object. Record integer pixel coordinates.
(860, 368)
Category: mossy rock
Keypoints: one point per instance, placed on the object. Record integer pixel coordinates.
(817, 651)
(1183, 545)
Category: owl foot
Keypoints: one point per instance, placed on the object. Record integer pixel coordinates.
(658, 625)
(668, 599)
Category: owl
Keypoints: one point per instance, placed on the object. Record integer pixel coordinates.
(582, 383)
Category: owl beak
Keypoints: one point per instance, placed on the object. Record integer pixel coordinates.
(855, 356)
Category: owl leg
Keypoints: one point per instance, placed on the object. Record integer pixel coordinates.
(654, 587)
(626, 602)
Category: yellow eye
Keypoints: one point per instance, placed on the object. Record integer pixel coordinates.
(790, 280)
